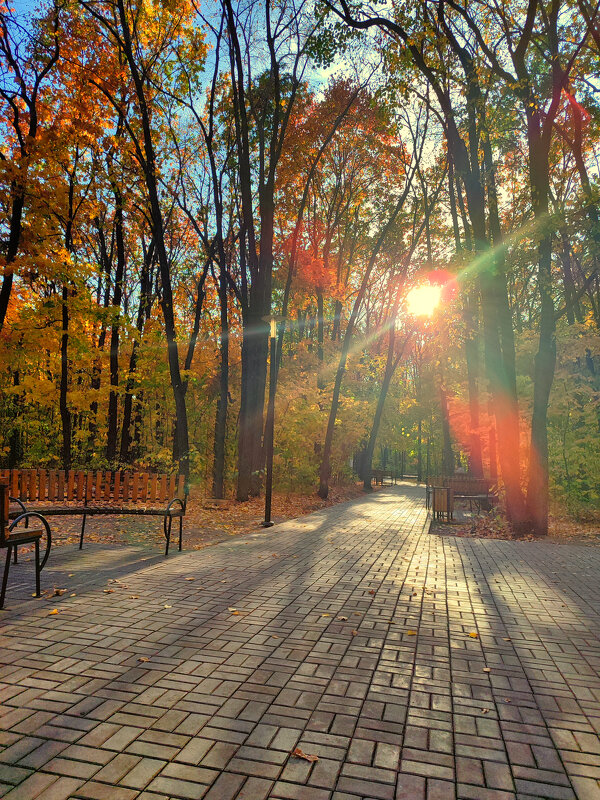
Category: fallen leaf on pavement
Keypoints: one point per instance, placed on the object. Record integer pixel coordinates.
(342, 619)
(306, 756)
(354, 633)
(232, 608)
(411, 633)
(371, 591)
(189, 579)
(474, 635)
(143, 658)
(108, 591)
(54, 611)
(487, 669)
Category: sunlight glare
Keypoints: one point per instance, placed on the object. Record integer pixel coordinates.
(422, 300)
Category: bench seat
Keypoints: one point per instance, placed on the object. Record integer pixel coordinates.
(65, 511)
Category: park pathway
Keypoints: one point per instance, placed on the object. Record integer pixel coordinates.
(415, 666)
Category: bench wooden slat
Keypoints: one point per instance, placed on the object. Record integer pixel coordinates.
(80, 485)
(172, 486)
(181, 487)
(153, 487)
(144, 487)
(126, 486)
(98, 485)
(70, 484)
(61, 486)
(135, 487)
(41, 484)
(107, 485)
(33, 484)
(52, 484)
(162, 495)
(14, 483)
(117, 486)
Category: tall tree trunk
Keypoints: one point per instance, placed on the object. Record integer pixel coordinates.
(143, 314)
(545, 360)
(65, 414)
(111, 440)
(447, 452)
(218, 487)
(320, 338)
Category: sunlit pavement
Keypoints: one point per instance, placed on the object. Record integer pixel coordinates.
(414, 666)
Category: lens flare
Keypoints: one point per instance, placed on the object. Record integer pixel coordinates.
(422, 301)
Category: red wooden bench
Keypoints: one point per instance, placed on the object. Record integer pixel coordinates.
(76, 492)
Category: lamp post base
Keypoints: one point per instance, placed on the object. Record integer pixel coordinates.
(268, 524)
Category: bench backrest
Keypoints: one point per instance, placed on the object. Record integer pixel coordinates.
(97, 486)
(469, 485)
(463, 484)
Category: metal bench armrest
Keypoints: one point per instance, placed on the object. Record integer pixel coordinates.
(26, 517)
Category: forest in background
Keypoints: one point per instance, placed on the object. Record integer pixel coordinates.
(171, 174)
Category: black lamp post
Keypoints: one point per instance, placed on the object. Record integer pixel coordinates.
(273, 319)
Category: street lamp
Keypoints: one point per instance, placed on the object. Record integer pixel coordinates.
(272, 319)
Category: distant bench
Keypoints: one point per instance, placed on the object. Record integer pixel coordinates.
(87, 494)
(380, 476)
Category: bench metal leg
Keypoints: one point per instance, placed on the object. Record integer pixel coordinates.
(5, 576)
(82, 532)
(37, 567)
(180, 532)
(167, 525)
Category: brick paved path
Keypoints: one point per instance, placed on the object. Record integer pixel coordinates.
(414, 666)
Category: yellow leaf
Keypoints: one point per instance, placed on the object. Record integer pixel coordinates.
(54, 611)
(474, 635)
(411, 633)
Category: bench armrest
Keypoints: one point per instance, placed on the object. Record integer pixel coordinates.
(25, 518)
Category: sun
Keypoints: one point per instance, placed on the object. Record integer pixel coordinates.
(422, 300)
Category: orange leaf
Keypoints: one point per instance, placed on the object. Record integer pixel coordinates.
(306, 756)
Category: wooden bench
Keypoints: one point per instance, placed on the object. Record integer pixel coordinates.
(13, 536)
(87, 494)
(464, 487)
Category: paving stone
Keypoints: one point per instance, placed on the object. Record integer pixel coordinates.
(224, 699)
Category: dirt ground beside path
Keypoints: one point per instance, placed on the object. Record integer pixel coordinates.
(207, 522)
(562, 529)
